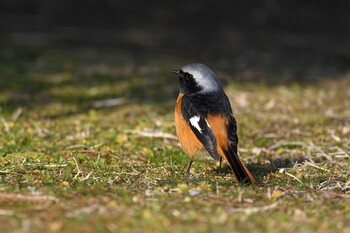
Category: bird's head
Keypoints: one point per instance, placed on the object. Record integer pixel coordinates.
(197, 78)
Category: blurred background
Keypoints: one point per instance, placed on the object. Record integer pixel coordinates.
(89, 41)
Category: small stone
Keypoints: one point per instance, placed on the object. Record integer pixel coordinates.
(148, 193)
(194, 192)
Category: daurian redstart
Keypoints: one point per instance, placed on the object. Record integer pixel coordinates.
(204, 119)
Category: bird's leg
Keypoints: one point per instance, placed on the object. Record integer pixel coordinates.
(219, 173)
(189, 166)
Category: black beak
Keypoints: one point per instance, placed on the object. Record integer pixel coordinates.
(177, 72)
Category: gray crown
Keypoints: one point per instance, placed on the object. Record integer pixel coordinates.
(204, 76)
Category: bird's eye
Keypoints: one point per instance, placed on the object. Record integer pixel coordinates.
(188, 76)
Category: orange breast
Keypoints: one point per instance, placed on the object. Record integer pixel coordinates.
(187, 138)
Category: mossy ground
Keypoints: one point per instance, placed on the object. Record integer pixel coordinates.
(71, 162)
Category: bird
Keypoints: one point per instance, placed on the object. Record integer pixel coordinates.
(204, 119)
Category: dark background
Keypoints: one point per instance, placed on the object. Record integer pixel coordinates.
(252, 40)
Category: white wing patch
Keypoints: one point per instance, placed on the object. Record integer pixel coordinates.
(194, 122)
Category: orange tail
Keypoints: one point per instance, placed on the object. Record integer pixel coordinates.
(240, 171)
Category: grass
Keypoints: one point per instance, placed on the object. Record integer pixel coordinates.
(69, 165)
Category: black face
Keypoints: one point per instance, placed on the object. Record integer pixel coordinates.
(187, 83)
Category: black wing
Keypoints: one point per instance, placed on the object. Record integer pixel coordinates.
(200, 127)
(232, 133)
(241, 172)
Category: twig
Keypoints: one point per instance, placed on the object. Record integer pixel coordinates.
(253, 209)
(16, 114)
(129, 173)
(44, 165)
(319, 150)
(341, 156)
(334, 194)
(345, 154)
(291, 175)
(26, 198)
(4, 124)
(78, 169)
(109, 102)
(315, 166)
(76, 147)
(269, 193)
(294, 177)
(83, 211)
(6, 212)
(240, 195)
(286, 143)
(4, 172)
(152, 134)
(87, 176)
